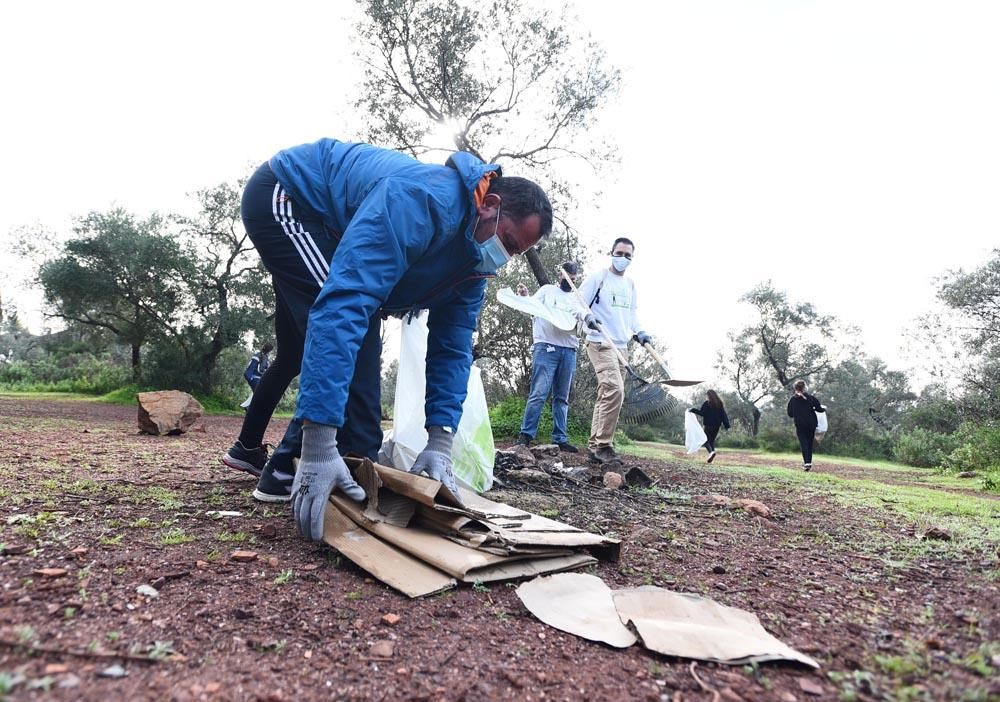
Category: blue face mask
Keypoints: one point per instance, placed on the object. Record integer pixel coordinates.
(620, 263)
(493, 252)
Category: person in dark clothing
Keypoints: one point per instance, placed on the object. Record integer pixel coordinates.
(802, 408)
(256, 367)
(713, 414)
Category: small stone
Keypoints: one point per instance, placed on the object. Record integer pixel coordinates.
(269, 531)
(936, 534)
(391, 619)
(148, 591)
(212, 687)
(310, 566)
(967, 474)
(810, 687)
(117, 607)
(753, 507)
(719, 570)
(637, 478)
(50, 572)
(613, 481)
(382, 649)
(995, 661)
(24, 600)
(201, 564)
(402, 671)
(729, 694)
(712, 500)
(80, 551)
(272, 561)
(196, 690)
(69, 682)
(307, 655)
(114, 671)
(56, 669)
(243, 556)
(788, 697)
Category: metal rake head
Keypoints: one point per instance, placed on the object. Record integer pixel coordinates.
(644, 401)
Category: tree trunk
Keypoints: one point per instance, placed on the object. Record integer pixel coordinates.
(537, 267)
(136, 363)
(756, 422)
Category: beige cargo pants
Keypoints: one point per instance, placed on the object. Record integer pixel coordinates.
(610, 394)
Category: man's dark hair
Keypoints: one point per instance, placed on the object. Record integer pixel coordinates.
(522, 198)
(267, 348)
(571, 267)
(622, 240)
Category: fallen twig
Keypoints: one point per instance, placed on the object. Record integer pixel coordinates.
(701, 683)
(39, 648)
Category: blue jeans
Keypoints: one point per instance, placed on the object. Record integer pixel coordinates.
(552, 369)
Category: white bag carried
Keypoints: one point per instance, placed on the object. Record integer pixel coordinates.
(694, 435)
(473, 449)
(821, 424)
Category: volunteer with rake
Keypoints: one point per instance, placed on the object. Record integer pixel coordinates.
(611, 296)
(350, 232)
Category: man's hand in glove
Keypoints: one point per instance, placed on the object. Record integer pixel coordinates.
(592, 322)
(435, 460)
(643, 338)
(321, 471)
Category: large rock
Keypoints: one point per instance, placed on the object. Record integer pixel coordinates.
(167, 412)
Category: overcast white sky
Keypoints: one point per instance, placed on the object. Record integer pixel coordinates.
(846, 150)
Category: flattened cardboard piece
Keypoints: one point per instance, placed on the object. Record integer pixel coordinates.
(416, 487)
(510, 569)
(690, 626)
(383, 505)
(395, 568)
(457, 560)
(577, 603)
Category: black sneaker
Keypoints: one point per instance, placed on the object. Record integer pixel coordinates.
(807, 467)
(273, 486)
(523, 440)
(602, 454)
(711, 456)
(247, 460)
(567, 447)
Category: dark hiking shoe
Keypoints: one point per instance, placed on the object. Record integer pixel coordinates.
(523, 440)
(711, 456)
(807, 467)
(273, 486)
(567, 447)
(247, 460)
(603, 454)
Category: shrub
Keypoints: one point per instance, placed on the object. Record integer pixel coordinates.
(778, 440)
(923, 448)
(978, 449)
(505, 418)
(81, 373)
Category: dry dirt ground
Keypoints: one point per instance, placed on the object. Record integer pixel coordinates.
(91, 511)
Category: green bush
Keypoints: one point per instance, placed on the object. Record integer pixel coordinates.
(978, 449)
(923, 448)
(736, 439)
(505, 418)
(80, 373)
(778, 440)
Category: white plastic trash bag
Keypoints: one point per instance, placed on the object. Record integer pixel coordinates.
(472, 450)
(821, 425)
(694, 435)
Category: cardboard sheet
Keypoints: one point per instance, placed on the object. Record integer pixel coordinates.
(690, 626)
(577, 603)
(395, 568)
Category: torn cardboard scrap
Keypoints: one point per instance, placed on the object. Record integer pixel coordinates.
(671, 623)
(416, 536)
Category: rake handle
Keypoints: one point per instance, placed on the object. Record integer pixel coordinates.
(600, 327)
(655, 354)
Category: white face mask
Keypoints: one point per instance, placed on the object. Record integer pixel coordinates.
(620, 263)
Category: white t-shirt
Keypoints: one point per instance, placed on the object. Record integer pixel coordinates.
(547, 333)
(616, 308)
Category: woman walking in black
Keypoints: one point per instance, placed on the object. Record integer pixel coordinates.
(713, 414)
(802, 408)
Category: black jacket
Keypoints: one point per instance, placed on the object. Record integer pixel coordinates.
(803, 410)
(713, 416)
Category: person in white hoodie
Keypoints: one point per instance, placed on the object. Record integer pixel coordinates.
(612, 298)
(553, 361)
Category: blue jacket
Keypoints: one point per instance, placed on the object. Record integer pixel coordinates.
(406, 243)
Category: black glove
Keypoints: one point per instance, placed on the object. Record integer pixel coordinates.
(643, 338)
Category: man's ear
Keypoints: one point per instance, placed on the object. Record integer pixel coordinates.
(489, 207)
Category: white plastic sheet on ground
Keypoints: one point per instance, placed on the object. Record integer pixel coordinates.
(694, 435)
(821, 425)
(561, 319)
(473, 449)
